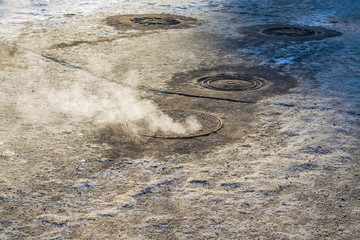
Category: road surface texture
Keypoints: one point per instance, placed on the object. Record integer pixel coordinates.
(180, 119)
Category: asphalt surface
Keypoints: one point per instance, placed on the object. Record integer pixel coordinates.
(87, 150)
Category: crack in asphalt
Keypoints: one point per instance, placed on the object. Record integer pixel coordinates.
(194, 96)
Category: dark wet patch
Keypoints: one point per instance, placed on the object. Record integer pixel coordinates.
(160, 225)
(127, 207)
(40, 5)
(282, 104)
(199, 182)
(354, 114)
(315, 150)
(69, 15)
(277, 191)
(61, 62)
(84, 186)
(287, 32)
(150, 22)
(237, 83)
(303, 167)
(95, 41)
(312, 166)
(105, 160)
(126, 145)
(290, 134)
(79, 42)
(235, 116)
(249, 191)
(231, 185)
(51, 223)
(92, 147)
(150, 189)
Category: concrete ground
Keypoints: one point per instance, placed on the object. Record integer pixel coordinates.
(284, 165)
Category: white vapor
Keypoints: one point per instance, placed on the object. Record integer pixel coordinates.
(109, 103)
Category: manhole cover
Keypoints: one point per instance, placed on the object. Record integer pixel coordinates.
(289, 31)
(155, 21)
(208, 124)
(149, 21)
(231, 82)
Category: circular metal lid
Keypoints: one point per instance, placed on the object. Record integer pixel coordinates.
(287, 32)
(150, 21)
(155, 21)
(231, 82)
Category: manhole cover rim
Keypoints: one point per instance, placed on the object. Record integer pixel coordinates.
(128, 21)
(156, 20)
(211, 131)
(259, 83)
(257, 31)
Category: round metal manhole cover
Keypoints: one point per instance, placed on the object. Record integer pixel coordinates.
(207, 124)
(150, 21)
(231, 82)
(155, 21)
(289, 31)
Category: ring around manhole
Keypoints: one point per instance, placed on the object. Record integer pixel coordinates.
(149, 21)
(231, 82)
(209, 124)
(289, 31)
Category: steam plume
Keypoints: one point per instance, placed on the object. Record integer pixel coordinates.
(108, 103)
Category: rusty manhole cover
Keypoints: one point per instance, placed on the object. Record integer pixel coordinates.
(288, 32)
(149, 21)
(231, 82)
(207, 124)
